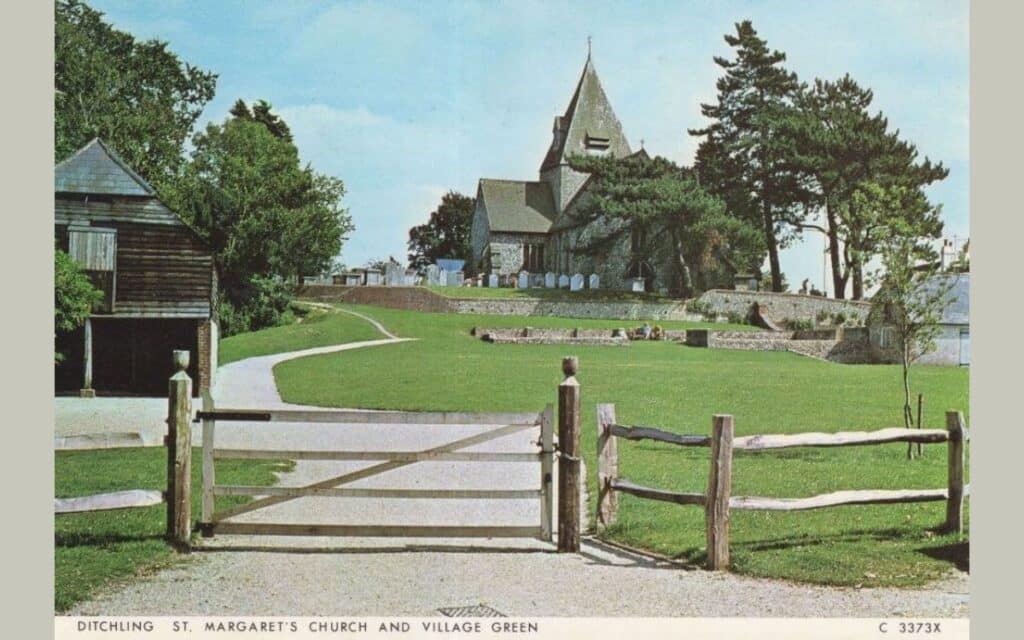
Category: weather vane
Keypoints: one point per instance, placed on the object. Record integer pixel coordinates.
(588, 46)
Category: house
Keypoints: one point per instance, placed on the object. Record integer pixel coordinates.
(528, 225)
(953, 341)
(157, 276)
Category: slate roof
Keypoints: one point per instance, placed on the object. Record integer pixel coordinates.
(97, 169)
(517, 206)
(957, 311)
(589, 114)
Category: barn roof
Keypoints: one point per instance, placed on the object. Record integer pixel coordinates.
(97, 169)
(517, 206)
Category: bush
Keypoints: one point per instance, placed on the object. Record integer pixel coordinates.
(799, 324)
(73, 296)
(263, 303)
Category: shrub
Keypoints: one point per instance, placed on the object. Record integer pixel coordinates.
(263, 303)
(73, 296)
(799, 324)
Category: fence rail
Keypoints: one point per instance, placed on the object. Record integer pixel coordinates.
(717, 499)
(349, 416)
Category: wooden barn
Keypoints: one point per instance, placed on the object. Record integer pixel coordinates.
(157, 276)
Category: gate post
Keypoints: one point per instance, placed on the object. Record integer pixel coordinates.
(179, 454)
(569, 459)
(547, 468)
(206, 521)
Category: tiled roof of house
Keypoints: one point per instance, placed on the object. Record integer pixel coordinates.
(97, 169)
(588, 116)
(957, 296)
(517, 206)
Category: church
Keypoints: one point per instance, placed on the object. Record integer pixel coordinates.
(526, 225)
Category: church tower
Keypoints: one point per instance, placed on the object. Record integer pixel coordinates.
(588, 127)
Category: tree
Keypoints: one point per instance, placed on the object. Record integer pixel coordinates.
(839, 146)
(267, 218)
(745, 158)
(74, 296)
(446, 234)
(910, 300)
(646, 200)
(138, 96)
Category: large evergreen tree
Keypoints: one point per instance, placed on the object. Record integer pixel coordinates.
(138, 96)
(648, 201)
(841, 146)
(745, 158)
(446, 234)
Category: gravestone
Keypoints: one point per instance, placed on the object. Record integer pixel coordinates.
(563, 281)
(395, 274)
(442, 277)
(576, 283)
(492, 280)
(433, 273)
(595, 281)
(455, 278)
(524, 280)
(549, 280)
(636, 285)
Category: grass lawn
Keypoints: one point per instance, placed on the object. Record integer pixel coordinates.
(316, 328)
(679, 388)
(99, 549)
(554, 295)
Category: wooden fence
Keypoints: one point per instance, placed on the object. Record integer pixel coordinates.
(179, 464)
(718, 500)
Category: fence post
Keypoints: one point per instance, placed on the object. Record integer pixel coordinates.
(607, 467)
(569, 459)
(955, 466)
(209, 477)
(547, 469)
(716, 506)
(179, 454)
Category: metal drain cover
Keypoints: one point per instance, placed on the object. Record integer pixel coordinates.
(475, 611)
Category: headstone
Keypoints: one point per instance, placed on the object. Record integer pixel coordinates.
(636, 285)
(395, 274)
(492, 280)
(563, 281)
(549, 280)
(454, 279)
(594, 281)
(576, 283)
(524, 280)
(433, 271)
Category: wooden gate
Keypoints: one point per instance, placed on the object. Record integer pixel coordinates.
(501, 424)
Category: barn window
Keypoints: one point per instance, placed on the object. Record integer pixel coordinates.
(95, 249)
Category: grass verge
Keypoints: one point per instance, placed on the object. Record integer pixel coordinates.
(97, 550)
(316, 328)
(554, 295)
(679, 388)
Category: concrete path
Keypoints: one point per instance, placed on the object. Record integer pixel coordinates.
(266, 575)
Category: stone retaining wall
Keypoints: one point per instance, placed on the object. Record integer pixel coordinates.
(782, 306)
(409, 298)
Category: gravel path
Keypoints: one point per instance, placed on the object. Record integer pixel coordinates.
(264, 575)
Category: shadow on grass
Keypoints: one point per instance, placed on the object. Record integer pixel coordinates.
(958, 554)
(69, 540)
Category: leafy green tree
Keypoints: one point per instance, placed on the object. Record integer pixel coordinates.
(74, 296)
(745, 157)
(654, 199)
(138, 96)
(446, 234)
(910, 300)
(265, 216)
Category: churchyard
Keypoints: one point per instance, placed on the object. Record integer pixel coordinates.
(679, 388)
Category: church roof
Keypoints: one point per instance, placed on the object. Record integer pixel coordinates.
(517, 206)
(589, 121)
(97, 169)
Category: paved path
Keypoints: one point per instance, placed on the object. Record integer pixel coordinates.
(263, 575)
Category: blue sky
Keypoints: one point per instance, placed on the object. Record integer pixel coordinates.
(406, 100)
